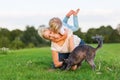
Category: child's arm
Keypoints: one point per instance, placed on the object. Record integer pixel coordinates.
(61, 38)
(64, 36)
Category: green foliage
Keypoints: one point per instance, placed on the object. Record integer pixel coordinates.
(80, 34)
(15, 33)
(110, 35)
(115, 37)
(4, 33)
(17, 44)
(91, 32)
(31, 45)
(35, 64)
(17, 39)
(4, 37)
(4, 41)
(106, 32)
(30, 35)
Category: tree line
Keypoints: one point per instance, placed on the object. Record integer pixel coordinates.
(29, 38)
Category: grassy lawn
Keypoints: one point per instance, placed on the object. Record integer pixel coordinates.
(35, 64)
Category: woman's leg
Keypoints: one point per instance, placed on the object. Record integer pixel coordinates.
(63, 56)
(82, 42)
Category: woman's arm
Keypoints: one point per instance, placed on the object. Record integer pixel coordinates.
(55, 58)
(71, 42)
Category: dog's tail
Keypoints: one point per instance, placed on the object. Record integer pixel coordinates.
(99, 39)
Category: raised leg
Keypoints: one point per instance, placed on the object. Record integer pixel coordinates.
(76, 12)
(91, 63)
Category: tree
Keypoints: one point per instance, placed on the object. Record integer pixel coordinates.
(30, 35)
(17, 44)
(91, 32)
(4, 42)
(114, 37)
(15, 33)
(5, 33)
(105, 32)
(80, 34)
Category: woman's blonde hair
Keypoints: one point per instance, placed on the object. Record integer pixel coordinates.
(55, 24)
(41, 31)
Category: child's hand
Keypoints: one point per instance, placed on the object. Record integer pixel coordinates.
(66, 31)
(57, 36)
(62, 37)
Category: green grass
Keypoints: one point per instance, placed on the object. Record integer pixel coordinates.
(35, 64)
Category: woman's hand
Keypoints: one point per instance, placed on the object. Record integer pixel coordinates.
(55, 58)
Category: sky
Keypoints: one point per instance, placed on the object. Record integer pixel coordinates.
(17, 14)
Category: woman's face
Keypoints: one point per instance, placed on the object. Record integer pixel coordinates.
(50, 35)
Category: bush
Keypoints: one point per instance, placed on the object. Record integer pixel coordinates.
(31, 45)
(17, 44)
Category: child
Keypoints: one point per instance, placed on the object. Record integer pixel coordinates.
(58, 26)
(47, 34)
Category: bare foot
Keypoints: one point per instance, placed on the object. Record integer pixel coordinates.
(76, 12)
(70, 13)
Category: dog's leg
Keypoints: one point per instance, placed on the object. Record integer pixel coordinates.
(91, 62)
(68, 67)
(63, 67)
(78, 65)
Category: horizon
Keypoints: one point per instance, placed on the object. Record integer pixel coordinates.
(46, 26)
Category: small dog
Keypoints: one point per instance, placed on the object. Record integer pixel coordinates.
(82, 52)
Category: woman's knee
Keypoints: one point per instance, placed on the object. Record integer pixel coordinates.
(74, 67)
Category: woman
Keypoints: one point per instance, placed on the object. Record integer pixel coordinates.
(62, 48)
